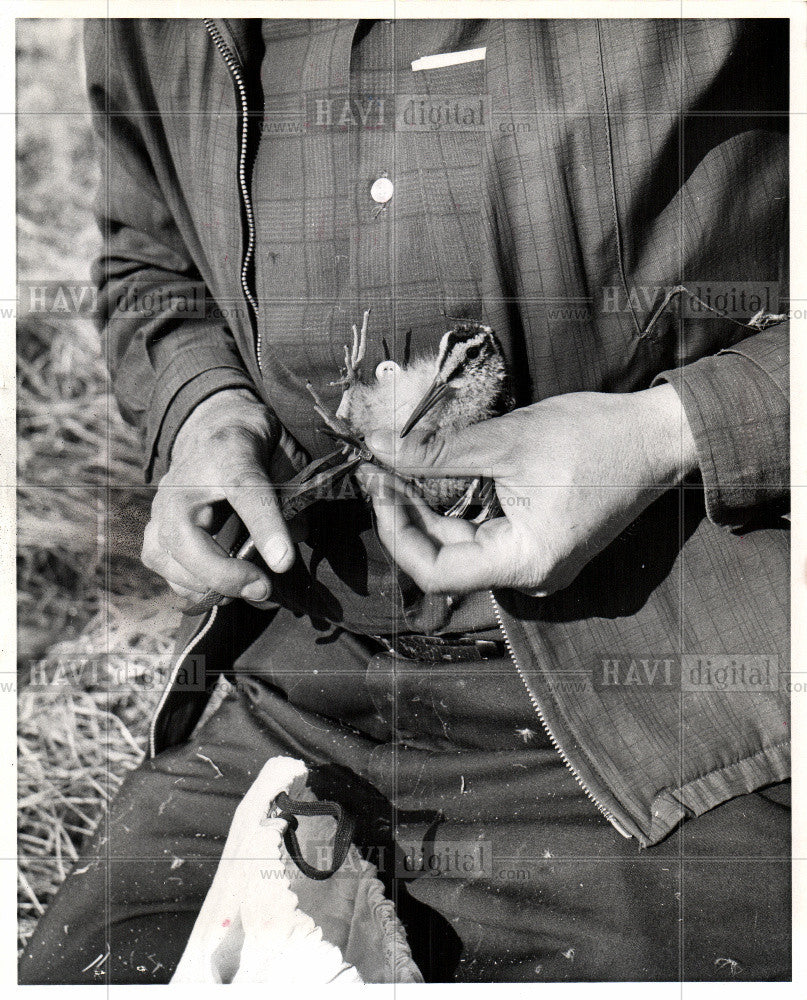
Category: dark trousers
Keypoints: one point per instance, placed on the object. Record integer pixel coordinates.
(446, 770)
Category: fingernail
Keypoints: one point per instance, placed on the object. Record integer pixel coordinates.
(277, 552)
(255, 591)
(381, 441)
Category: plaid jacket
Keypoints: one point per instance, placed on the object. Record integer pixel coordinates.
(618, 161)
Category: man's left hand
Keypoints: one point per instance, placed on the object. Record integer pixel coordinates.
(571, 473)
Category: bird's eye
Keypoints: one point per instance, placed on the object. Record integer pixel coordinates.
(387, 369)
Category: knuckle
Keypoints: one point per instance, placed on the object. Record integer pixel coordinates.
(155, 562)
(236, 443)
(149, 548)
(229, 584)
(241, 476)
(166, 535)
(166, 506)
(230, 437)
(158, 504)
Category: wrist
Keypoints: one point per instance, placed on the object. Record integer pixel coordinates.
(233, 407)
(667, 437)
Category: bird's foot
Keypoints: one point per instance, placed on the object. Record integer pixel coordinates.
(337, 428)
(491, 507)
(479, 491)
(350, 444)
(461, 506)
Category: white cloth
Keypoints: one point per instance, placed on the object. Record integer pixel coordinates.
(263, 921)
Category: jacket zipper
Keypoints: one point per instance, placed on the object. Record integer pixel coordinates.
(235, 71)
(539, 712)
(174, 673)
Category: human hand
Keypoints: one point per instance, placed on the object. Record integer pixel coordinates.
(571, 473)
(231, 447)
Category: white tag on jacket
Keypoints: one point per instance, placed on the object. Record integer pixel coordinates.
(448, 59)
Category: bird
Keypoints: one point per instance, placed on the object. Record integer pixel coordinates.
(439, 393)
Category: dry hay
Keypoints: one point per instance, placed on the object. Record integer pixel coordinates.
(93, 632)
(82, 725)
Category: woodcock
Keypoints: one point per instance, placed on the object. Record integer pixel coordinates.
(464, 382)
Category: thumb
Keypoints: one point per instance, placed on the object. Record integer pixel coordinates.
(253, 497)
(478, 450)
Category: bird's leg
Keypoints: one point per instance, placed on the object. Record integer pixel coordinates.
(336, 424)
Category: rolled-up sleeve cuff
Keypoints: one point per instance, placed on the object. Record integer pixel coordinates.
(192, 376)
(739, 419)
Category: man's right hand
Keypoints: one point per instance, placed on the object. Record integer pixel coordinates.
(229, 448)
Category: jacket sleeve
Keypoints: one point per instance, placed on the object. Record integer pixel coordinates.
(164, 355)
(737, 405)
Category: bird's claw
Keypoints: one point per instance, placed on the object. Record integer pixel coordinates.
(355, 355)
(465, 501)
(349, 442)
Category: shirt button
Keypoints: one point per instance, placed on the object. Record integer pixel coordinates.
(381, 191)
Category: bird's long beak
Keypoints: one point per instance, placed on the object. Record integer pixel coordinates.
(436, 391)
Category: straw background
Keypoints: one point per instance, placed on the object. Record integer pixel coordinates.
(94, 626)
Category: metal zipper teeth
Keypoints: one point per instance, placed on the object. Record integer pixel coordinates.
(539, 712)
(235, 72)
(170, 683)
